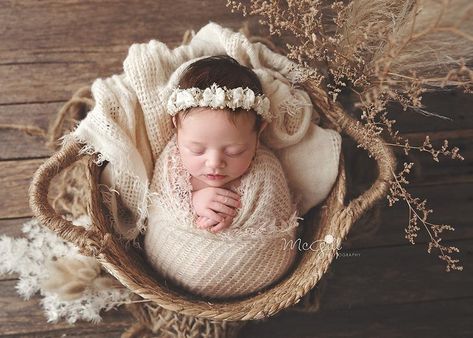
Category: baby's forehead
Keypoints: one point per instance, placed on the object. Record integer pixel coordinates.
(222, 117)
(216, 127)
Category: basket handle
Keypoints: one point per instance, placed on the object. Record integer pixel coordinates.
(376, 147)
(88, 241)
(385, 161)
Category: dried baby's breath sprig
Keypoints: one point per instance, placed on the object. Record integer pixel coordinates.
(418, 212)
(453, 153)
(385, 52)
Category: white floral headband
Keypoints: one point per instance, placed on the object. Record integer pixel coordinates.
(218, 97)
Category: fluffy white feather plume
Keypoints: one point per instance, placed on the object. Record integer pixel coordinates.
(72, 285)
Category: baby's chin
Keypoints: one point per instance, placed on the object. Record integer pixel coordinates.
(231, 183)
(217, 184)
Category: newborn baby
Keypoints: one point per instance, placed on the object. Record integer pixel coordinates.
(221, 218)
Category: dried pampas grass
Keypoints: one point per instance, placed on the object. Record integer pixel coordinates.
(408, 40)
(429, 41)
(365, 21)
(70, 277)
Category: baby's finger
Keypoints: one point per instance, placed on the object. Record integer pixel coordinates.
(217, 206)
(228, 193)
(222, 225)
(207, 224)
(229, 201)
(202, 222)
(209, 213)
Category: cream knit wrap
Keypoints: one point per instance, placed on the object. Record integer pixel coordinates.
(253, 253)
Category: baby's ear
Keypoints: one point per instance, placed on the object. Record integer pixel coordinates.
(174, 121)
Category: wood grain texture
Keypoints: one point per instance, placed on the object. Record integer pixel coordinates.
(454, 105)
(12, 227)
(395, 275)
(49, 49)
(77, 23)
(19, 145)
(15, 179)
(439, 319)
(451, 204)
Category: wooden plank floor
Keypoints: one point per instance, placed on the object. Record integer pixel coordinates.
(380, 286)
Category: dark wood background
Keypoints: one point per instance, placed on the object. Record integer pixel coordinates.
(381, 286)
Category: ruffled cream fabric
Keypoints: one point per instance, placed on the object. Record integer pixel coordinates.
(252, 253)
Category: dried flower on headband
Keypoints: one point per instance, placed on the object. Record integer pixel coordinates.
(218, 98)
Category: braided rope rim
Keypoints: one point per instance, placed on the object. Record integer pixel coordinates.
(335, 219)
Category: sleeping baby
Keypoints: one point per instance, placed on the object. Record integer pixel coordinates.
(221, 214)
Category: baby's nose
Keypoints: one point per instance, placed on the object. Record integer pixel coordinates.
(215, 161)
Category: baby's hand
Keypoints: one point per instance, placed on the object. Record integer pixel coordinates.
(204, 223)
(217, 205)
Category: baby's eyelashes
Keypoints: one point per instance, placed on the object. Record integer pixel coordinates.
(235, 153)
(197, 152)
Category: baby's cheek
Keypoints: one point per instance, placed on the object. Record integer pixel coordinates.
(191, 164)
(241, 165)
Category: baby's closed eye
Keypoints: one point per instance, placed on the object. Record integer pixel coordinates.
(235, 152)
(197, 151)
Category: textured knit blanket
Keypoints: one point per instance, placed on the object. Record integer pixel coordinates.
(252, 253)
(129, 126)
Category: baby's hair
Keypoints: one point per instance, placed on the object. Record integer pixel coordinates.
(225, 71)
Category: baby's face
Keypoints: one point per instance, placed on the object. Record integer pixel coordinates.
(212, 148)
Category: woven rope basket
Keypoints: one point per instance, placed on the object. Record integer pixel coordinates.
(129, 267)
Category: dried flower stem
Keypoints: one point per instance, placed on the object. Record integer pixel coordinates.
(414, 206)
